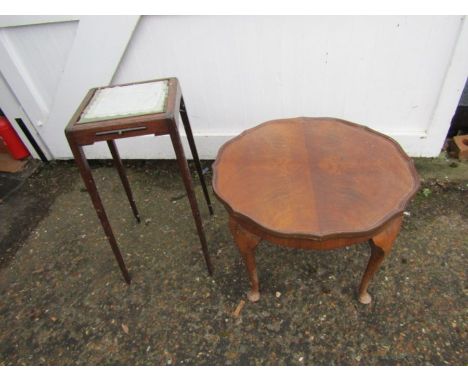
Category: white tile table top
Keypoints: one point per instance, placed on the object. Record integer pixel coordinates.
(126, 101)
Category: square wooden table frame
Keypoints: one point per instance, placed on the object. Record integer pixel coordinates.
(80, 134)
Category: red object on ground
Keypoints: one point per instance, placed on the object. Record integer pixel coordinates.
(14, 145)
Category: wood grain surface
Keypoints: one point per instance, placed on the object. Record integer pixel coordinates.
(316, 178)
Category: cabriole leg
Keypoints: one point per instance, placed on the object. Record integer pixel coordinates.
(247, 242)
(381, 245)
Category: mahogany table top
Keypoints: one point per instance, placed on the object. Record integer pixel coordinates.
(316, 178)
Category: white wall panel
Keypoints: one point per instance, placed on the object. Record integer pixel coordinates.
(43, 50)
(239, 71)
(399, 75)
(236, 72)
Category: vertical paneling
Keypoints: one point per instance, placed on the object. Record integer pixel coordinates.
(239, 71)
(97, 50)
(43, 50)
(400, 75)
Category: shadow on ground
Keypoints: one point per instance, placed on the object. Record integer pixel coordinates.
(63, 300)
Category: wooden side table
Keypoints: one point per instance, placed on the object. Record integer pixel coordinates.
(130, 110)
(314, 183)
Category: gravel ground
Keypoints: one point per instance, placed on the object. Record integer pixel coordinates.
(64, 301)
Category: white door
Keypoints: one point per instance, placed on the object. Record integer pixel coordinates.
(21, 123)
(50, 63)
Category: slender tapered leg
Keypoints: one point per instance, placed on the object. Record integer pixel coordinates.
(193, 148)
(187, 179)
(381, 245)
(85, 172)
(123, 177)
(247, 242)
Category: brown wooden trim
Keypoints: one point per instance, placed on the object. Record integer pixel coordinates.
(91, 135)
(76, 115)
(137, 82)
(173, 95)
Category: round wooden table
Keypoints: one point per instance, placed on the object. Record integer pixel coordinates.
(318, 183)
